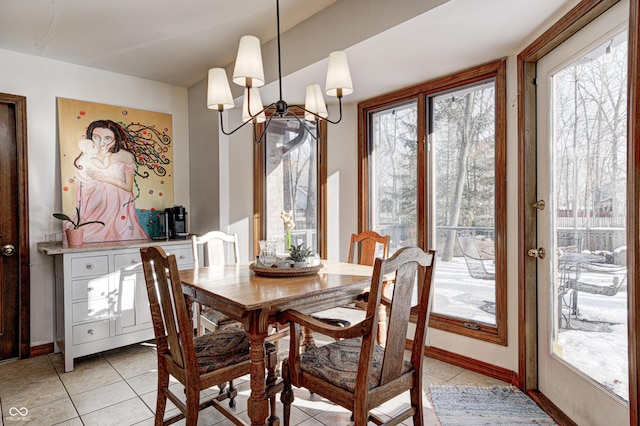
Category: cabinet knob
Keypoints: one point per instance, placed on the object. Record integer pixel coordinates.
(90, 288)
(90, 266)
(91, 332)
(133, 261)
(90, 310)
(181, 257)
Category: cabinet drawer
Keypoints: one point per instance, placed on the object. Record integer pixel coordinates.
(90, 310)
(91, 288)
(184, 256)
(128, 262)
(90, 332)
(88, 266)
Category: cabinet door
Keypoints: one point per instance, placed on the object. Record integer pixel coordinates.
(184, 255)
(131, 304)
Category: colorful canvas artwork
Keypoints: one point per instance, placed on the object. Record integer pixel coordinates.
(116, 166)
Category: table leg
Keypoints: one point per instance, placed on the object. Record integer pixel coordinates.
(257, 405)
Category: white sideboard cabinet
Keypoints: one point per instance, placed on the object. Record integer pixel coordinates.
(100, 295)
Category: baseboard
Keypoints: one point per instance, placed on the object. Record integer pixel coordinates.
(550, 408)
(47, 348)
(471, 364)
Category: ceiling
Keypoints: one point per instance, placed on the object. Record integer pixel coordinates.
(176, 42)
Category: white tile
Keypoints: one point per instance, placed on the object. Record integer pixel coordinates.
(127, 412)
(105, 396)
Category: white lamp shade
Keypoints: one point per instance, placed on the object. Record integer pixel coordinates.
(218, 90)
(338, 75)
(248, 70)
(256, 106)
(314, 102)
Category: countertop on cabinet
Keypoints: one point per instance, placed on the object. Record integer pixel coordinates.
(57, 247)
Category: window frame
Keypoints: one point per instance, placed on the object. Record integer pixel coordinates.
(259, 190)
(426, 224)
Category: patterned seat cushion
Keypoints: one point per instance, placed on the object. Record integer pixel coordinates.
(337, 363)
(221, 348)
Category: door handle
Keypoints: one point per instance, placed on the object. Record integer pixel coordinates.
(539, 253)
(8, 250)
(540, 205)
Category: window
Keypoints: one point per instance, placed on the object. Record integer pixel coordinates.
(433, 175)
(290, 176)
(393, 179)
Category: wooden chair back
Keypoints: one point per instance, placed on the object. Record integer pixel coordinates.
(355, 388)
(366, 246)
(215, 244)
(169, 312)
(405, 265)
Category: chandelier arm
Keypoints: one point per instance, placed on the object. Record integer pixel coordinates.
(234, 130)
(304, 126)
(264, 130)
(244, 123)
(323, 118)
(271, 105)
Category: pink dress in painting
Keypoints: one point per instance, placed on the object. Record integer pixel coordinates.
(109, 204)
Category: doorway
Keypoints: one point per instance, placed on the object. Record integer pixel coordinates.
(582, 174)
(14, 230)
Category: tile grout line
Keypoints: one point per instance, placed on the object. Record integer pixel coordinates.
(153, 414)
(65, 389)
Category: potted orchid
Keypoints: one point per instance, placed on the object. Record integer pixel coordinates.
(75, 235)
(289, 224)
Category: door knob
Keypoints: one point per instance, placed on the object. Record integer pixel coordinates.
(540, 205)
(540, 252)
(8, 250)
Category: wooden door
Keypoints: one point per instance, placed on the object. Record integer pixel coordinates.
(14, 257)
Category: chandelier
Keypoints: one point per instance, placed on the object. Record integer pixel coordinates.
(248, 72)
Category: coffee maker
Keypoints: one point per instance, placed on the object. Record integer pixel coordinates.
(176, 223)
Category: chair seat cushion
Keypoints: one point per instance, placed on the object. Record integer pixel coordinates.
(337, 363)
(216, 317)
(220, 349)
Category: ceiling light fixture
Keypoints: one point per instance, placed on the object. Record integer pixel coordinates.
(248, 72)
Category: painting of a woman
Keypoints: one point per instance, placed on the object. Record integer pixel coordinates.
(104, 185)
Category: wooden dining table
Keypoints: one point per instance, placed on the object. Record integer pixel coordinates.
(238, 292)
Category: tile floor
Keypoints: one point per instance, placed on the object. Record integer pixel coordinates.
(118, 387)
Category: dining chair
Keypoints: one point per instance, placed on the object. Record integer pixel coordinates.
(196, 362)
(366, 246)
(363, 250)
(216, 246)
(355, 372)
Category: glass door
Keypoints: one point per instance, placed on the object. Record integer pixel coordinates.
(582, 296)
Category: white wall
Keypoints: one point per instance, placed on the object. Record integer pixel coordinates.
(342, 181)
(204, 155)
(42, 81)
